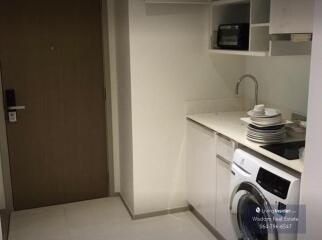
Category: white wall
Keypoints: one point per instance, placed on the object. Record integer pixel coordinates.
(312, 178)
(283, 81)
(169, 64)
(122, 47)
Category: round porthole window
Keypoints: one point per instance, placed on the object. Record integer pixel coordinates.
(248, 211)
(251, 214)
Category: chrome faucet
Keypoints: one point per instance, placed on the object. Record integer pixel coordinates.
(255, 82)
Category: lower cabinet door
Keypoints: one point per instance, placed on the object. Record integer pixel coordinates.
(201, 170)
(223, 221)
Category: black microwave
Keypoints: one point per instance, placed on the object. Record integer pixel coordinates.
(233, 36)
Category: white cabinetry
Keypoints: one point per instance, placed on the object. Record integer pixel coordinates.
(224, 158)
(209, 158)
(274, 25)
(201, 170)
(253, 12)
(291, 16)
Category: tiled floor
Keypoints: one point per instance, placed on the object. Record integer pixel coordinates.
(102, 219)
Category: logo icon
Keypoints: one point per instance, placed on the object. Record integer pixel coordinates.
(258, 210)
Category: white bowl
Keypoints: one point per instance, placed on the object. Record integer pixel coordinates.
(268, 113)
(259, 109)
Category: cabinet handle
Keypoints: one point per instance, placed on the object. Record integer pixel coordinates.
(224, 159)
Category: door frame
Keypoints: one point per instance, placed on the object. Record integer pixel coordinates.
(4, 151)
(109, 99)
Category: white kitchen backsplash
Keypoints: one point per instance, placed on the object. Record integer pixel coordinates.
(283, 81)
(214, 105)
(230, 105)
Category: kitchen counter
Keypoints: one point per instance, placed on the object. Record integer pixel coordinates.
(230, 125)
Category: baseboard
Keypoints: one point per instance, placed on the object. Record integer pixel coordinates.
(5, 223)
(160, 213)
(151, 214)
(115, 194)
(126, 205)
(206, 223)
(172, 211)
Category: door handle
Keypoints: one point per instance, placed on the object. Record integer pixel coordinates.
(11, 106)
(15, 108)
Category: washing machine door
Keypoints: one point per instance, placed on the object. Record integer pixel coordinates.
(251, 214)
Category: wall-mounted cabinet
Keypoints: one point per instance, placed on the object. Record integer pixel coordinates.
(291, 16)
(253, 12)
(276, 27)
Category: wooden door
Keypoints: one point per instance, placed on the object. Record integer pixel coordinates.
(51, 55)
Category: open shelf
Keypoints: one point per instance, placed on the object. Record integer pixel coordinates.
(259, 38)
(260, 11)
(229, 13)
(227, 2)
(254, 12)
(259, 25)
(186, 2)
(239, 52)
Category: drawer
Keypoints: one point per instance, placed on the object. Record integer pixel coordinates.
(225, 147)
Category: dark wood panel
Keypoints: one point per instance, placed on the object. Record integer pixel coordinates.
(51, 54)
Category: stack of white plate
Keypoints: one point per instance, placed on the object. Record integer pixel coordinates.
(266, 125)
(267, 117)
(273, 134)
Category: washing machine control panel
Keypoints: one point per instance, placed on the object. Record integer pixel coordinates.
(273, 183)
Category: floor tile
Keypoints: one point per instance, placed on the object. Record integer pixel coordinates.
(102, 219)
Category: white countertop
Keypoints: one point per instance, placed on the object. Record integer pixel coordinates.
(230, 125)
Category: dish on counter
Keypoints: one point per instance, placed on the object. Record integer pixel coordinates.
(267, 121)
(265, 129)
(266, 113)
(265, 116)
(267, 134)
(249, 121)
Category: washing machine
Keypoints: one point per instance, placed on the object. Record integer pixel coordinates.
(264, 199)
